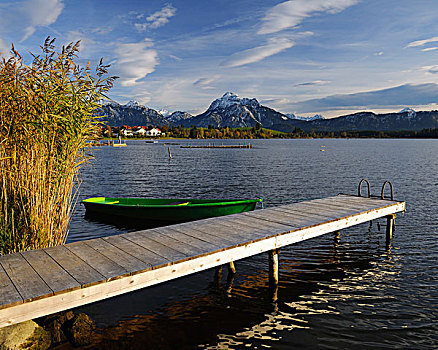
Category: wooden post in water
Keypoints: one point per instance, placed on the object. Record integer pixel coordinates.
(273, 266)
(170, 154)
(390, 224)
(231, 268)
(217, 275)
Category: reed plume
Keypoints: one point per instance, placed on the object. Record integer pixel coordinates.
(46, 117)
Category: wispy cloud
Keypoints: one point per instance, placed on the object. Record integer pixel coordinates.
(157, 19)
(272, 47)
(291, 13)
(403, 95)
(430, 49)
(176, 58)
(102, 30)
(430, 69)
(135, 61)
(205, 83)
(38, 13)
(422, 42)
(312, 83)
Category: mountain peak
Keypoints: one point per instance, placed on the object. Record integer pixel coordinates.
(411, 113)
(306, 119)
(133, 104)
(230, 99)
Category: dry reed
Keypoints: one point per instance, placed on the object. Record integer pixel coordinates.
(46, 117)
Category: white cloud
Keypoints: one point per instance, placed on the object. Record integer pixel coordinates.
(291, 13)
(430, 49)
(422, 42)
(157, 19)
(38, 13)
(274, 46)
(135, 61)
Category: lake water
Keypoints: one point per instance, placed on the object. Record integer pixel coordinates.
(334, 293)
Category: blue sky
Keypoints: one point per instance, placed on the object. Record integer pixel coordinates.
(330, 57)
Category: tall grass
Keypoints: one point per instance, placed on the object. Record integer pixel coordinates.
(46, 117)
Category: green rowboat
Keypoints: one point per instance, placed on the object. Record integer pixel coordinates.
(166, 210)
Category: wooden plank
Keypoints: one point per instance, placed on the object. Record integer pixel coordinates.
(299, 219)
(281, 218)
(275, 218)
(233, 233)
(106, 267)
(378, 201)
(170, 254)
(204, 231)
(76, 267)
(265, 227)
(27, 282)
(124, 259)
(221, 233)
(306, 214)
(193, 238)
(208, 237)
(59, 280)
(337, 204)
(139, 252)
(183, 247)
(327, 210)
(299, 213)
(9, 295)
(355, 203)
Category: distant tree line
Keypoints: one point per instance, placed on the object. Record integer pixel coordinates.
(258, 132)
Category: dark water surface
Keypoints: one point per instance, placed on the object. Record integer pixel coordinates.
(334, 293)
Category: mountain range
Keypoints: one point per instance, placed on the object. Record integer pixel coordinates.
(232, 111)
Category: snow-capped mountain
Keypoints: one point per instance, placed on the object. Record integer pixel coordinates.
(410, 112)
(306, 119)
(233, 111)
(132, 113)
(179, 117)
(164, 112)
(405, 120)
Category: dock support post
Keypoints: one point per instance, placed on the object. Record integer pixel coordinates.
(273, 267)
(337, 237)
(231, 268)
(390, 224)
(218, 275)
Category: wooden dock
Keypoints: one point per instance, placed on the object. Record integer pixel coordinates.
(40, 282)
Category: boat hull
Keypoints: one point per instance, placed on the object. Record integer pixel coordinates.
(165, 211)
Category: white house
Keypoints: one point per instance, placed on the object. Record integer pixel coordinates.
(153, 132)
(127, 132)
(140, 131)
